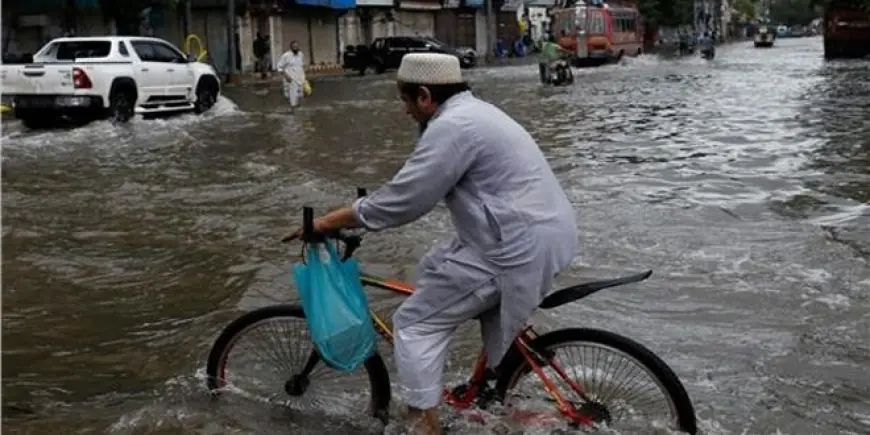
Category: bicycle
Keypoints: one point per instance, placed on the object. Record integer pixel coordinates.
(530, 353)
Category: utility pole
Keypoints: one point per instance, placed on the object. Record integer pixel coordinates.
(491, 31)
(188, 18)
(231, 46)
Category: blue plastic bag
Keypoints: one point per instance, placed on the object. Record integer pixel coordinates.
(335, 307)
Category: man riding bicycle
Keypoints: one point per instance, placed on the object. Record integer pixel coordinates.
(515, 227)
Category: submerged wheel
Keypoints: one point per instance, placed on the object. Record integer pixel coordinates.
(121, 106)
(36, 119)
(207, 91)
(632, 382)
(273, 368)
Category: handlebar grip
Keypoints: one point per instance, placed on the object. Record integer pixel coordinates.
(307, 223)
(361, 192)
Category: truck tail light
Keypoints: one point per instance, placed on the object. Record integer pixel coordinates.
(81, 79)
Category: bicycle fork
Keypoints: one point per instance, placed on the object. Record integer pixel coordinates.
(298, 383)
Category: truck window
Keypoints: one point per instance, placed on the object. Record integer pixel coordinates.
(145, 51)
(596, 23)
(165, 53)
(72, 50)
(415, 43)
(397, 42)
(122, 49)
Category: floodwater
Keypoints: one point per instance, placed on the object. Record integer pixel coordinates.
(743, 183)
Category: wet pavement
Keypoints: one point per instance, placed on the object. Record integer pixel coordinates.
(743, 183)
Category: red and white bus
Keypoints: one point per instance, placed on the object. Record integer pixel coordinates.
(599, 34)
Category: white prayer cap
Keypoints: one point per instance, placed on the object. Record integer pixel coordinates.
(430, 69)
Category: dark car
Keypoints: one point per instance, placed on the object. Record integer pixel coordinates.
(386, 53)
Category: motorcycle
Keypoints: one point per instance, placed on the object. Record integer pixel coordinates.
(708, 53)
(560, 73)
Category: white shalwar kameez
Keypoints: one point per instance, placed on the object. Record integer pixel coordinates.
(292, 67)
(515, 230)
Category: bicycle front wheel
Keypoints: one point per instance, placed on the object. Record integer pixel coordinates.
(268, 354)
(624, 383)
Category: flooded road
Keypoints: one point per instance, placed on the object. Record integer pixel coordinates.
(743, 182)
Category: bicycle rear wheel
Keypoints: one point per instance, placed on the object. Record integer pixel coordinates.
(621, 377)
(280, 365)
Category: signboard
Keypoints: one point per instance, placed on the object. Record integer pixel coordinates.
(332, 4)
(420, 5)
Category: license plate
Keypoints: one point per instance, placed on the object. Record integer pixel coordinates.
(33, 102)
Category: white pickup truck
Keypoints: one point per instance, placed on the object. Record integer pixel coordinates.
(113, 77)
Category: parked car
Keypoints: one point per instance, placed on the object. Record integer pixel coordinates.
(386, 53)
(116, 77)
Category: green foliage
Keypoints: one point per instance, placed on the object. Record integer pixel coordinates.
(666, 12)
(792, 12)
(125, 13)
(746, 8)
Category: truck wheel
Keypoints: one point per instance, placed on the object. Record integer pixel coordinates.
(36, 120)
(121, 108)
(206, 94)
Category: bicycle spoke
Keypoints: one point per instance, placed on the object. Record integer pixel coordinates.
(269, 353)
(608, 377)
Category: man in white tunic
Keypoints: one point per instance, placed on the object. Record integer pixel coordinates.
(292, 67)
(515, 228)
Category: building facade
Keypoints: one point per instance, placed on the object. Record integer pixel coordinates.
(456, 23)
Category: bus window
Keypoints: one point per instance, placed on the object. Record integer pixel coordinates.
(596, 24)
(567, 28)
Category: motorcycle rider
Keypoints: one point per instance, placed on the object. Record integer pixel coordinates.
(708, 48)
(550, 52)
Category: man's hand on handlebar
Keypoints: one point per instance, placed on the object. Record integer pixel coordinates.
(296, 234)
(351, 239)
(332, 225)
(328, 224)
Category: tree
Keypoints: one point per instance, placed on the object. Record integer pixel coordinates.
(747, 9)
(127, 13)
(658, 13)
(793, 12)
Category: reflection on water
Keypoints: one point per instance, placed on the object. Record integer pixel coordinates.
(742, 182)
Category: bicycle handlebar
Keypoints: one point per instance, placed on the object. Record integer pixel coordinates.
(351, 240)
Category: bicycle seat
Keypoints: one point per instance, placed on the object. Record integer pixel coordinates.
(580, 291)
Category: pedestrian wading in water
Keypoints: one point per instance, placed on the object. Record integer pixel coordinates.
(291, 64)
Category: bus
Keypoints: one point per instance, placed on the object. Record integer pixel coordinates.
(598, 33)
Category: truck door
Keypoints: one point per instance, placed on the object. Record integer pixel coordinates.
(180, 73)
(152, 75)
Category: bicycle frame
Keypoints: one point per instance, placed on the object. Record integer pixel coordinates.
(466, 398)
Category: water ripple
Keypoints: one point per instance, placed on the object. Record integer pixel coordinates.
(742, 182)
